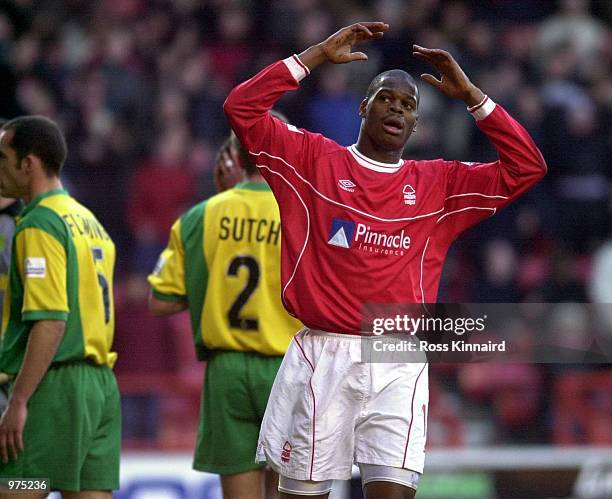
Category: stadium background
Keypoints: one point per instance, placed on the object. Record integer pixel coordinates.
(138, 87)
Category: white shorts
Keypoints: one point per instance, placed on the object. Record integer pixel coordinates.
(328, 410)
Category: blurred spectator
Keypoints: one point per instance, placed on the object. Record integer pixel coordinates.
(162, 188)
(334, 110)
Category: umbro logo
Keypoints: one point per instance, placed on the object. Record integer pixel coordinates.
(347, 185)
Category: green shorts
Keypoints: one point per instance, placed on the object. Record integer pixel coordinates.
(73, 431)
(235, 394)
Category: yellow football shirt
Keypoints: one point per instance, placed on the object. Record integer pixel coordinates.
(61, 269)
(223, 257)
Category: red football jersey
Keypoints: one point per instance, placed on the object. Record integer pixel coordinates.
(357, 231)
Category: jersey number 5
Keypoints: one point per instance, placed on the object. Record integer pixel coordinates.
(98, 256)
(233, 316)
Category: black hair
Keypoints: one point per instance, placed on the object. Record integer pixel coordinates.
(392, 73)
(41, 137)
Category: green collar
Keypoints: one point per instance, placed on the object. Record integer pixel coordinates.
(32, 204)
(253, 186)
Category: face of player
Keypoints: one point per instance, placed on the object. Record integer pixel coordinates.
(390, 114)
(13, 176)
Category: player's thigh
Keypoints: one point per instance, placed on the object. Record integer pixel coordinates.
(247, 485)
(388, 490)
(389, 482)
(262, 373)
(100, 468)
(288, 488)
(54, 433)
(392, 430)
(229, 425)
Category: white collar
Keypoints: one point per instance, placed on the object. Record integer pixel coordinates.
(377, 166)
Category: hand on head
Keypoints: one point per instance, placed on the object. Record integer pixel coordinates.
(228, 168)
(453, 82)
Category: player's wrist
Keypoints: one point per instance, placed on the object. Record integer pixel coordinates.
(18, 400)
(313, 56)
(473, 97)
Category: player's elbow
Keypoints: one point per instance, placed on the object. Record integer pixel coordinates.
(231, 104)
(159, 308)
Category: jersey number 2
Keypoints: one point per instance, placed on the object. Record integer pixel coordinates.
(98, 256)
(233, 316)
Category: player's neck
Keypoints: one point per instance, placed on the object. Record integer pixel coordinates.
(368, 149)
(255, 178)
(40, 185)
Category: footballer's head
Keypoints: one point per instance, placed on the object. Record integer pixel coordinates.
(389, 110)
(29, 143)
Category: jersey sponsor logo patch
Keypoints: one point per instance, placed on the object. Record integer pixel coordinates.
(409, 195)
(347, 185)
(367, 239)
(341, 233)
(36, 267)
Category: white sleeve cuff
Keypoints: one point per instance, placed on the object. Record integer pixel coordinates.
(298, 70)
(483, 109)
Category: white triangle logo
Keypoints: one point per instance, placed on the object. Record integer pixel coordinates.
(339, 239)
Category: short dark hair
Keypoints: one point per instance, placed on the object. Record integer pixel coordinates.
(393, 73)
(40, 136)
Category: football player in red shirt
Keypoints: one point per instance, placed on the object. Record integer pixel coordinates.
(362, 226)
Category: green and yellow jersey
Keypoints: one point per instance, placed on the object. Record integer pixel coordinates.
(223, 258)
(61, 269)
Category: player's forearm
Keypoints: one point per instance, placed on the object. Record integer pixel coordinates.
(43, 342)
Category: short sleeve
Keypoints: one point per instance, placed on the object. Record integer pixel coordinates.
(168, 278)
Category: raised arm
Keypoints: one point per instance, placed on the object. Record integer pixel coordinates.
(247, 106)
(477, 190)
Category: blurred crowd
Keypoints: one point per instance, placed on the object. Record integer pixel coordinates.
(138, 86)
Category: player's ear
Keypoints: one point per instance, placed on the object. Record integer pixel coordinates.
(30, 162)
(362, 108)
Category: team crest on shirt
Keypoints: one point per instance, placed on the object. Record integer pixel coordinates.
(347, 185)
(409, 195)
(341, 233)
(286, 452)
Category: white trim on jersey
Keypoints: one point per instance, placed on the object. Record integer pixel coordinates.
(296, 67)
(333, 201)
(483, 109)
(467, 208)
(476, 194)
(370, 164)
(421, 279)
(297, 263)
